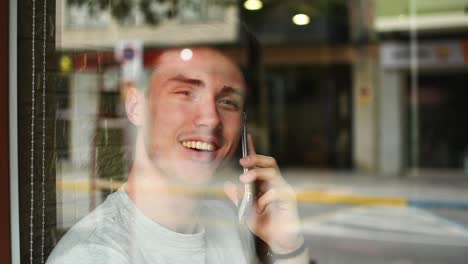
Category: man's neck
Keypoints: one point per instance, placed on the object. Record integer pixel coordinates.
(163, 202)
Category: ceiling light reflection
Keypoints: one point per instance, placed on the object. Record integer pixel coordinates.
(301, 19)
(186, 54)
(253, 5)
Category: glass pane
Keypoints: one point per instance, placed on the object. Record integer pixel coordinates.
(131, 127)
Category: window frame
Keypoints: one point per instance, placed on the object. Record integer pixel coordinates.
(9, 227)
(5, 242)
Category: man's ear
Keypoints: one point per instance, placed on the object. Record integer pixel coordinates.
(134, 104)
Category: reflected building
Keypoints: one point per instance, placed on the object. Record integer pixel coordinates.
(335, 93)
(422, 72)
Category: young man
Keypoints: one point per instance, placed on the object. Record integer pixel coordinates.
(188, 124)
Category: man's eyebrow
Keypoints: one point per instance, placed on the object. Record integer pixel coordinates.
(232, 90)
(185, 79)
(225, 90)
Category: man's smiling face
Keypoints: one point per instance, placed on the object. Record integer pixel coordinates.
(194, 111)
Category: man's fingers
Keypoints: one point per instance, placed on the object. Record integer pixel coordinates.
(258, 161)
(266, 199)
(273, 196)
(254, 160)
(232, 192)
(269, 175)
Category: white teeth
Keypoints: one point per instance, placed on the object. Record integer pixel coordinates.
(198, 145)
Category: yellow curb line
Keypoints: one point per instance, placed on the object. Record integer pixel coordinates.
(333, 198)
(86, 186)
(301, 196)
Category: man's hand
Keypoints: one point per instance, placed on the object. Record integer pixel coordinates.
(273, 216)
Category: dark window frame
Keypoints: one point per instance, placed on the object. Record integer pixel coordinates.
(5, 234)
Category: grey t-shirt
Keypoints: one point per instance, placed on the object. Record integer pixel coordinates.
(118, 232)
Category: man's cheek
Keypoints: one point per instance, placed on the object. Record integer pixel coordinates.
(232, 148)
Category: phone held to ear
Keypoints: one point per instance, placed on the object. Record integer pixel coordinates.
(247, 199)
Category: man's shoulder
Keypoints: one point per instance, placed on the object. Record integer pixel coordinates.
(101, 233)
(87, 254)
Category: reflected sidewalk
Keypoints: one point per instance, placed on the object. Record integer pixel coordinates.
(442, 189)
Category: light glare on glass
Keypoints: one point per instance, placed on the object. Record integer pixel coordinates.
(253, 4)
(186, 54)
(301, 19)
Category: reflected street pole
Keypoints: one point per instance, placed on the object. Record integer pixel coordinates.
(414, 71)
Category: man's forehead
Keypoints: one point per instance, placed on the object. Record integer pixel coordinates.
(202, 61)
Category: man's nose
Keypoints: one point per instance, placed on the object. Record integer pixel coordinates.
(208, 115)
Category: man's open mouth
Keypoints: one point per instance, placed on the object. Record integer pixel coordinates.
(199, 145)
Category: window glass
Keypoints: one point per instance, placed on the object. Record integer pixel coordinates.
(131, 117)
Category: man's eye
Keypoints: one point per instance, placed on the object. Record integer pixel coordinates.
(184, 93)
(229, 103)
